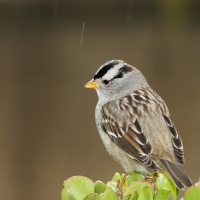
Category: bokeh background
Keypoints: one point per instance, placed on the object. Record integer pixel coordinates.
(47, 127)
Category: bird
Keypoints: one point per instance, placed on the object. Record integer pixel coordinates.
(134, 123)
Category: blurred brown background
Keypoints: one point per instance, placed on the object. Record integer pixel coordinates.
(47, 127)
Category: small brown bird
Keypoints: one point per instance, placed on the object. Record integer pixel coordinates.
(134, 123)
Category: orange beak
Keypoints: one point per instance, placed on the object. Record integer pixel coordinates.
(91, 84)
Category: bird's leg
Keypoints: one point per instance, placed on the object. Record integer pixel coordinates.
(151, 179)
(120, 186)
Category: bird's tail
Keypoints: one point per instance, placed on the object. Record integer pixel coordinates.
(179, 177)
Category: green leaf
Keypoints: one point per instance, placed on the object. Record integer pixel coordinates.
(112, 184)
(127, 197)
(170, 196)
(116, 177)
(145, 194)
(164, 194)
(67, 195)
(78, 187)
(134, 196)
(163, 180)
(99, 187)
(133, 176)
(192, 193)
(92, 196)
(138, 186)
(109, 194)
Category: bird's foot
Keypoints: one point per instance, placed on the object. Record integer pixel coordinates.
(150, 179)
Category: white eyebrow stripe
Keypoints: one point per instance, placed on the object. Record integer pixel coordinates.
(111, 73)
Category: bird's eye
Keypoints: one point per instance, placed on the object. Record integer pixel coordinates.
(106, 82)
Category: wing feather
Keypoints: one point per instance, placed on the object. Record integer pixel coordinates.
(130, 138)
(176, 141)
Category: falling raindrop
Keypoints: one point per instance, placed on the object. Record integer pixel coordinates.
(63, 160)
(82, 33)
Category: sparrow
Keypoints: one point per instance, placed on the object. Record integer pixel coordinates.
(134, 123)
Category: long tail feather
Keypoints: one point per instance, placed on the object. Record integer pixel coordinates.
(179, 177)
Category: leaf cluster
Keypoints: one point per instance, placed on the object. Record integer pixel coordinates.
(121, 187)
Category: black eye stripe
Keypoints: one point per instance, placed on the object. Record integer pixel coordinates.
(123, 70)
(120, 75)
(126, 69)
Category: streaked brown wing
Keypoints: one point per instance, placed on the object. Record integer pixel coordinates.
(176, 141)
(131, 139)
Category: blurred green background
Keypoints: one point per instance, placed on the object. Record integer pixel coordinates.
(47, 126)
